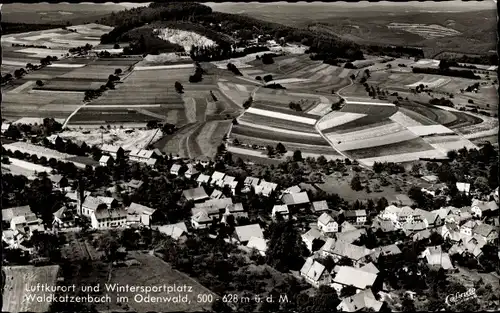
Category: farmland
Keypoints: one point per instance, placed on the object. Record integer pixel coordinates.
(18, 278)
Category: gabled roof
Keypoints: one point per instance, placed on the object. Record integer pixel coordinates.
(386, 250)
(217, 176)
(484, 230)
(216, 194)
(363, 300)
(292, 189)
(281, 209)
(235, 207)
(384, 225)
(356, 277)
(436, 257)
(202, 178)
(228, 179)
(463, 187)
(251, 181)
(191, 170)
(56, 178)
(215, 203)
(351, 236)
(346, 226)
(134, 183)
(139, 209)
(325, 218)
(173, 230)
(442, 212)
(142, 153)
(429, 216)
(195, 194)
(485, 205)
(312, 269)
(105, 159)
(110, 148)
(320, 206)
(175, 168)
(103, 213)
(267, 185)
(312, 234)
(151, 161)
(244, 233)
(349, 250)
(370, 268)
(355, 213)
(258, 243)
(201, 217)
(91, 202)
(8, 214)
(107, 200)
(295, 198)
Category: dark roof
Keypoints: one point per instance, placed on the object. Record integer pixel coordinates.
(195, 194)
(295, 198)
(110, 213)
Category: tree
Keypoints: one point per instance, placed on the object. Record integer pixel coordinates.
(356, 183)
(452, 155)
(297, 156)
(39, 83)
(118, 71)
(280, 148)
(285, 247)
(152, 125)
(270, 151)
(267, 78)
(481, 185)
(116, 46)
(178, 87)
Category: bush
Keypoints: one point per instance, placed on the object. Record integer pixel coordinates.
(39, 83)
(268, 78)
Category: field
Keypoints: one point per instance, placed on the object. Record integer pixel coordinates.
(18, 278)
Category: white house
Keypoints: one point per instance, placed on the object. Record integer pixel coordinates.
(174, 170)
(356, 216)
(356, 277)
(315, 273)
(327, 224)
(104, 217)
(468, 227)
(143, 155)
(463, 187)
(105, 160)
(309, 237)
(260, 244)
(145, 213)
(174, 231)
(244, 233)
(281, 210)
(202, 178)
(250, 182)
(217, 178)
(201, 220)
(110, 149)
(191, 171)
(362, 301)
(480, 208)
(265, 188)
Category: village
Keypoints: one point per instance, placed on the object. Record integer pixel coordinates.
(343, 246)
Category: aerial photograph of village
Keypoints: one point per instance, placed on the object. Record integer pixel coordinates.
(250, 157)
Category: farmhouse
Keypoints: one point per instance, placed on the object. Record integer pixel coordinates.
(428, 218)
(385, 226)
(486, 232)
(226, 180)
(106, 160)
(236, 210)
(175, 169)
(244, 233)
(463, 187)
(9, 214)
(201, 220)
(315, 273)
(327, 224)
(202, 179)
(175, 231)
(362, 301)
(191, 171)
(260, 244)
(145, 213)
(389, 250)
(195, 194)
(250, 182)
(436, 258)
(280, 210)
(355, 216)
(265, 188)
(143, 155)
(309, 237)
(483, 208)
(292, 189)
(90, 204)
(296, 200)
(398, 215)
(58, 180)
(351, 235)
(27, 224)
(339, 249)
(467, 228)
(64, 217)
(104, 217)
(319, 207)
(214, 204)
(355, 277)
(112, 150)
(217, 178)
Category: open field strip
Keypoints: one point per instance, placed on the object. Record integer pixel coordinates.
(211, 136)
(403, 157)
(280, 130)
(349, 101)
(59, 92)
(289, 117)
(425, 130)
(248, 80)
(260, 153)
(35, 168)
(432, 83)
(239, 62)
(162, 67)
(23, 87)
(413, 145)
(276, 123)
(42, 52)
(319, 68)
(419, 118)
(345, 72)
(320, 109)
(190, 108)
(372, 132)
(259, 134)
(235, 95)
(17, 281)
(404, 120)
(13, 63)
(287, 61)
(481, 134)
(123, 137)
(338, 118)
(66, 65)
(288, 81)
(453, 145)
(373, 141)
(113, 106)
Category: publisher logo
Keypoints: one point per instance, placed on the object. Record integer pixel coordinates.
(459, 297)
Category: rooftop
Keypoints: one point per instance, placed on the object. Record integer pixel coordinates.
(244, 233)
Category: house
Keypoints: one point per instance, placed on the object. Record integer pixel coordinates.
(201, 220)
(389, 250)
(202, 178)
(260, 244)
(249, 183)
(106, 160)
(398, 215)
(218, 205)
(236, 210)
(327, 224)
(296, 200)
(351, 236)
(362, 301)
(315, 273)
(90, 204)
(58, 180)
(463, 187)
(430, 179)
(486, 232)
(442, 213)
(191, 171)
(111, 150)
(134, 185)
(9, 214)
(227, 180)
(27, 223)
(13, 238)
(309, 237)
(143, 155)
(468, 227)
(5, 127)
(216, 194)
(145, 213)
(430, 219)
(385, 226)
(436, 258)
(281, 210)
(319, 207)
(195, 194)
(203, 161)
(370, 268)
(64, 217)
(232, 185)
(352, 276)
(105, 217)
(482, 208)
(292, 189)
(175, 169)
(151, 162)
(339, 249)
(244, 233)
(265, 188)
(175, 231)
(217, 178)
(346, 226)
(356, 216)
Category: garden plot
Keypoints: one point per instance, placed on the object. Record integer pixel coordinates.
(403, 157)
(283, 116)
(276, 123)
(338, 118)
(126, 138)
(258, 133)
(426, 130)
(17, 281)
